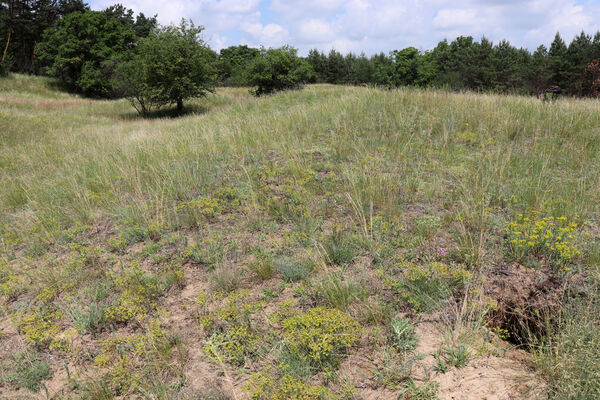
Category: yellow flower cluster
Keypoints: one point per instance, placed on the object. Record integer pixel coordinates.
(232, 338)
(549, 237)
(138, 295)
(320, 334)
(41, 329)
(10, 283)
(267, 386)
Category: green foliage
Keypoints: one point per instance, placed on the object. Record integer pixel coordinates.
(263, 266)
(569, 355)
(138, 294)
(412, 391)
(403, 335)
(449, 357)
(231, 335)
(278, 69)
(233, 63)
(339, 293)
(320, 335)
(551, 238)
(339, 247)
(79, 49)
(265, 385)
(428, 287)
(171, 65)
(291, 269)
(27, 371)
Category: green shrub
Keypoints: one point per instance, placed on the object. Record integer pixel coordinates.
(321, 335)
(291, 269)
(28, 371)
(404, 338)
(339, 293)
(428, 287)
(263, 266)
(339, 248)
(278, 69)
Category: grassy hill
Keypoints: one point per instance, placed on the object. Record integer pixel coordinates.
(331, 243)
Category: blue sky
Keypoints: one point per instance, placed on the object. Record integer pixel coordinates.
(373, 25)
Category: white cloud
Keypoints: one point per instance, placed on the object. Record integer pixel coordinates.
(270, 35)
(316, 31)
(375, 25)
(453, 18)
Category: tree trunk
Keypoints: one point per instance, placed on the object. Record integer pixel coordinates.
(11, 6)
(180, 104)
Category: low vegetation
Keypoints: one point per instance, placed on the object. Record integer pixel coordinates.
(329, 243)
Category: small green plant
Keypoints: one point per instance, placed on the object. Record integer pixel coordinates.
(28, 371)
(321, 335)
(454, 357)
(263, 265)
(396, 369)
(427, 225)
(428, 287)
(231, 335)
(339, 293)
(412, 391)
(117, 244)
(226, 278)
(339, 248)
(138, 294)
(266, 385)
(291, 269)
(404, 338)
(209, 252)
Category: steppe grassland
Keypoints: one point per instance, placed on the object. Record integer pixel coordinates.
(264, 209)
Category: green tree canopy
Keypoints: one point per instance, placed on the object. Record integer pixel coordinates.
(79, 49)
(278, 69)
(167, 67)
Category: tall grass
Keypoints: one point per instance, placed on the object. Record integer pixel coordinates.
(471, 158)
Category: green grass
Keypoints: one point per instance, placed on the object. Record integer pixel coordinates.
(369, 201)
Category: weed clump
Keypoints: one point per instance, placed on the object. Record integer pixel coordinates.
(428, 287)
(266, 386)
(549, 238)
(231, 335)
(28, 371)
(339, 248)
(321, 335)
(139, 292)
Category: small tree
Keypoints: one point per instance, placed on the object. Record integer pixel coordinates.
(278, 69)
(167, 67)
(590, 85)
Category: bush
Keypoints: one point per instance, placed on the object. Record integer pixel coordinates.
(321, 335)
(427, 287)
(278, 69)
(28, 371)
(549, 238)
(292, 270)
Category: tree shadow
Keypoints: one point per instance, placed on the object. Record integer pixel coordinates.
(192, 109)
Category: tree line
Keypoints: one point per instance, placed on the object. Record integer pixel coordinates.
(115, 53)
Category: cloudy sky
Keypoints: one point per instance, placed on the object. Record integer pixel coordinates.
(373, 25)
